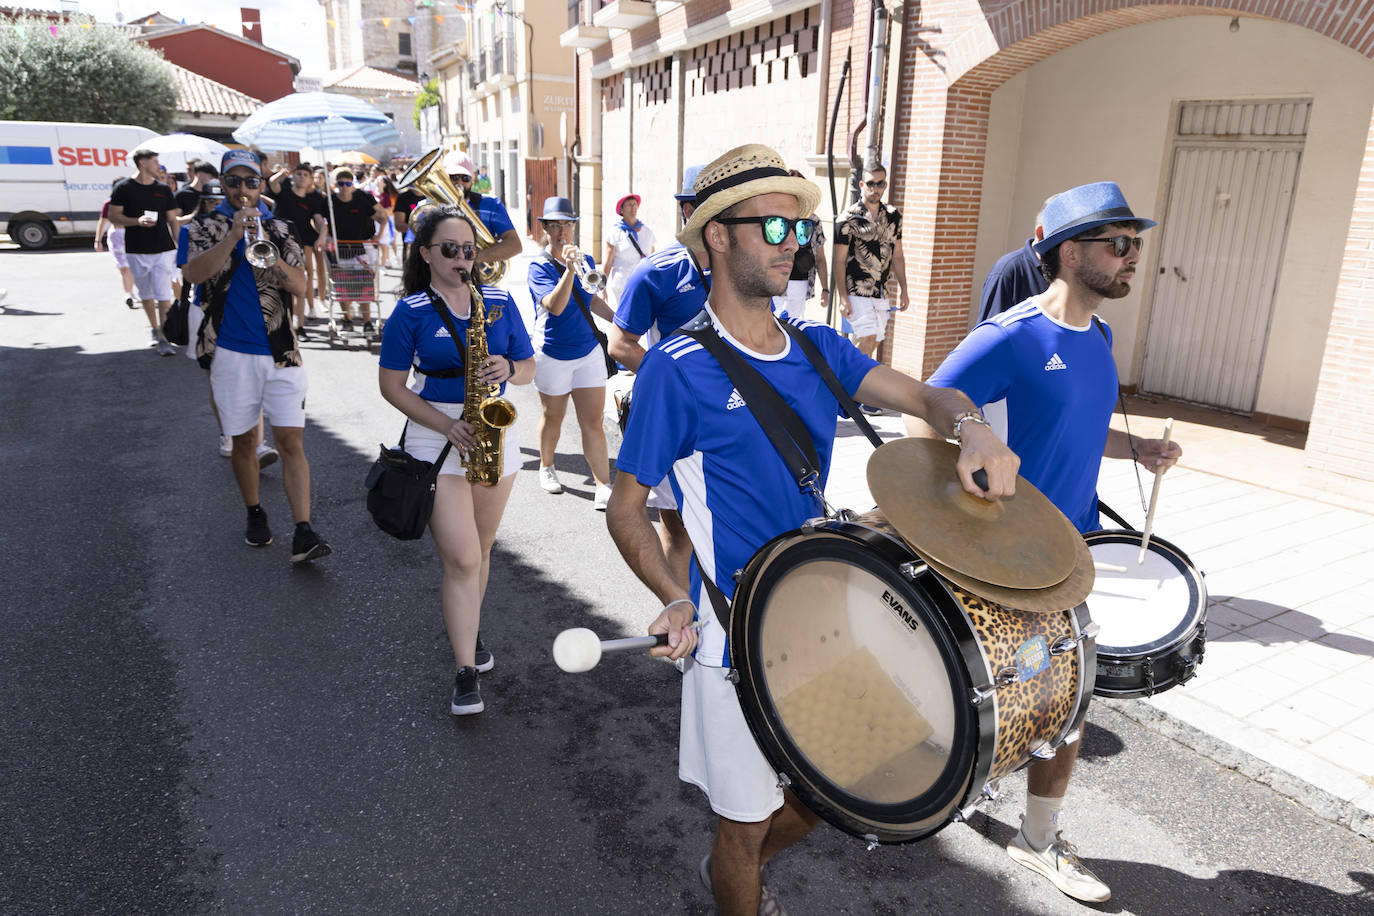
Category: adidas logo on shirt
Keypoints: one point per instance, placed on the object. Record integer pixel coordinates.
(735, 401)
(1055, 363)
(685, 285)
(443, 332)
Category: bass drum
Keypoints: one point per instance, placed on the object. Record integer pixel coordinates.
(887, 698)
(1152, 615)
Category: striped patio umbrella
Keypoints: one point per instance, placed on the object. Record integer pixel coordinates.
(323, 120)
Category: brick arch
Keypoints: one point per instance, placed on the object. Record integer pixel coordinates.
(955, 53)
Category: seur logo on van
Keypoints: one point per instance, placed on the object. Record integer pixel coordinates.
(86, 155)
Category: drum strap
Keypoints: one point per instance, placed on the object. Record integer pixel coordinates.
(1135, 456)
(828, 376)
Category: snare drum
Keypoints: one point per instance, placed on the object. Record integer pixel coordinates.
(1153, 616)
(886, 697)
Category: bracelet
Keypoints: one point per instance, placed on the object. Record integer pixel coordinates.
(975, 415)
(510, 362)
(678, 601)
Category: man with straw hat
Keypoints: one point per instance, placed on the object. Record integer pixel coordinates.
(736, 491)
(1044, 372)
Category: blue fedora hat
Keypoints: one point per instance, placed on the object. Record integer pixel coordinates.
(689, 178)
(559, 208)
(1085, 207)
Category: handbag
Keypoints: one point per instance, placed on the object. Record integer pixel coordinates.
(175, 326)
(400, 490)
(400, 487)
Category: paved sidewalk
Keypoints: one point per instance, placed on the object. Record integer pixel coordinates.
(1283, 692)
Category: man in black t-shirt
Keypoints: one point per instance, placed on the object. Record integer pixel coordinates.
(406, 201)
(188, 198)
(357, 218)
(147, 210)
(305, 209)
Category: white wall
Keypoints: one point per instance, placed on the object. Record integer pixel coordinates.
(1102, 110)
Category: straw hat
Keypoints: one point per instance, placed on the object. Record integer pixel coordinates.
(744, 172)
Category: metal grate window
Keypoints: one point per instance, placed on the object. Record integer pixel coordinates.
(1257, 118)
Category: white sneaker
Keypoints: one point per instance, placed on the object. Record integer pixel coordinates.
(548, 479)
(603, 497)
(226, 447)
(1060, 863)
(266, 455)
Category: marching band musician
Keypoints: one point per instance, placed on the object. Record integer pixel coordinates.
(490, 210)
(465, 518)
(1045, 373)
(737, 493)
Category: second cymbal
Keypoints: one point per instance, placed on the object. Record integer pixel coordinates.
(1023, 542)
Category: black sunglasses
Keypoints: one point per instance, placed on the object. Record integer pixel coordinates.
(875, 184)
(450, 249)
(1121, 244)
(344, 184)
(234, 181)
(775, 228)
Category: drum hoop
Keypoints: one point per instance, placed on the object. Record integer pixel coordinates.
(1182, 633)
(856, 815)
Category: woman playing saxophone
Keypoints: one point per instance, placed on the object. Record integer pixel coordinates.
(466, 516)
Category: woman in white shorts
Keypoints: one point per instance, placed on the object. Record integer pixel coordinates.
(570, 362)
(116, 243)
(466, 515)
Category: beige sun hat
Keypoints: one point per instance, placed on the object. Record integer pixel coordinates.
(744, 172)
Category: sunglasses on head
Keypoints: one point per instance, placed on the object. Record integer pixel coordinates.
(450, 250)
(876, 184)
(1120, 243)
(247, 181)
(775, 228)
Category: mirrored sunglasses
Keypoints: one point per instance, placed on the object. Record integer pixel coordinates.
(1120, 243)
(234, 181)
(451, 250)
(775, 228)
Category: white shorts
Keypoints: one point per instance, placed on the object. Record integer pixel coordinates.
(116, 243)
(153, 274)
(248, 384)
(869, 318)
(425, 444)
(194, 316)
(718, 754)
(559, 376)
(794, 300)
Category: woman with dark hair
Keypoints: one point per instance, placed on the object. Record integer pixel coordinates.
(418, 337)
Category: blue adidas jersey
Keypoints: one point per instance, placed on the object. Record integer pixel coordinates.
(567, 335)
(663, 292)
(734, 491)
(415, 336)
(1048, 389)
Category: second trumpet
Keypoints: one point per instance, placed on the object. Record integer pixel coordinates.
(258, 249)
(590, 277)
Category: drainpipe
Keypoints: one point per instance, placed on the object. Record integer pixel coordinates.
(874, 68)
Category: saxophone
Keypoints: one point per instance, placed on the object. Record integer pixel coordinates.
(483, 407)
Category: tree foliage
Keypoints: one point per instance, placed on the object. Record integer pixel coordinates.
(81, 71)
(428, 97)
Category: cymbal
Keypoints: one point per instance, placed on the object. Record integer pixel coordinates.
(1062, 597)
(1019, 543)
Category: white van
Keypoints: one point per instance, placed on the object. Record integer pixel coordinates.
(55, 176)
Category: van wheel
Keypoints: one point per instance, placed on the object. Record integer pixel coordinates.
(31, 235)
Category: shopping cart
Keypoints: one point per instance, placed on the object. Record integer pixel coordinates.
(352, 270)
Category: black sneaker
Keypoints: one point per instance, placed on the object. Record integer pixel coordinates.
(871, 410)
(347, 325)
(483, 659)
(467, 696)
(367, 327)
(306, 545)
(302, 334)
(258, 534)
(130, 303)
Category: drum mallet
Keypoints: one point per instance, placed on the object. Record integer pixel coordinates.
(1154, 496)
(579, 649)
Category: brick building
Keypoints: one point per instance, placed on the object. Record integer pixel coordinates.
(388, 34)
(1245, 126)
(244, 65)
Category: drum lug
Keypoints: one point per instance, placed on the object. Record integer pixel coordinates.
(962, 815)
(1147, 668)
(732, 675)
(871, 841)
(1072, 736)
(914, 569)
(1004, 678)
(1043, 751)
(784, 781)
(992, 789)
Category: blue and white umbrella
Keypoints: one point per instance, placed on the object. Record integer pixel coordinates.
(322, 120)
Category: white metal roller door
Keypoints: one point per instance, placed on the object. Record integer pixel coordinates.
(1222, 243)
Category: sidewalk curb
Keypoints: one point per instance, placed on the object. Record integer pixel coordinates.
(1317, 800)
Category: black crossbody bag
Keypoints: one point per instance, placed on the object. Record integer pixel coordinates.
(400, 487)
(780, 422)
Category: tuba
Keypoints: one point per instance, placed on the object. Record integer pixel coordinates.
(427, 176)
(483, 407)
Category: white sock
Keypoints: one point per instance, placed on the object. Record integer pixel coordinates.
(1041, 822)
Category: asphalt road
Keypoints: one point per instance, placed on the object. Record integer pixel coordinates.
(192, 726)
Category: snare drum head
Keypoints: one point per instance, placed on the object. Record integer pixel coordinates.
(852, 685)
(1148, 606)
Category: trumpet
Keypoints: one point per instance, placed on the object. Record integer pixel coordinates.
(589, 276)
(258, 249)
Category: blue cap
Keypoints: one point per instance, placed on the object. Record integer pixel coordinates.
(237, 157)
(559, 208)
(689, 178)
(1085, 207)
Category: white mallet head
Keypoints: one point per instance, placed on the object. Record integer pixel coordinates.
(577, 650)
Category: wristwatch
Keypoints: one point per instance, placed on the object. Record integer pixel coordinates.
(968, 416)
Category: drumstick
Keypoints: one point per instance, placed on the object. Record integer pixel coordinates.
(1154, 496)
(579, 649)
(1108, 567)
